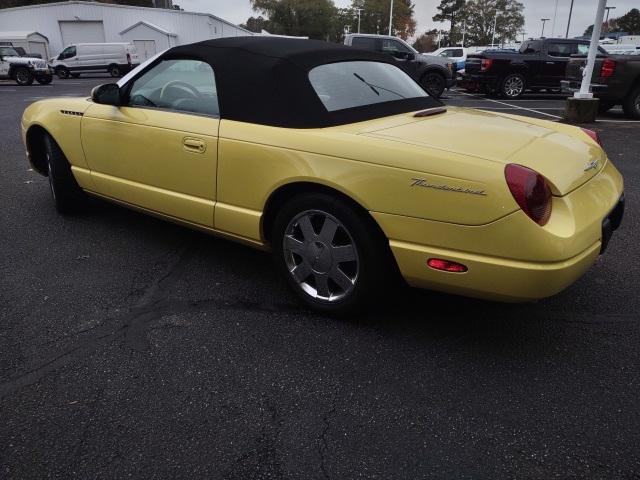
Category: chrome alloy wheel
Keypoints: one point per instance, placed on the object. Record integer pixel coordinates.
(321, 255)
(513, 86)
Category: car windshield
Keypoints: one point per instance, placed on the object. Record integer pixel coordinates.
(8, 52)
(356, 84)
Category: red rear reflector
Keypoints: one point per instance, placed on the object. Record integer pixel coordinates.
(531, 191)
(608, 68)
(486, 64)
(446, 265)
(594, 135)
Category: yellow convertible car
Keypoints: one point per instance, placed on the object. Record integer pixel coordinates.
(339, 163)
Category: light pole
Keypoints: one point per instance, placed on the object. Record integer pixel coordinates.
(606, 22)
(569, 21)
(495, 24)
(464, 31)
(359, 10)
(390, 17)
(553, 25)
(544, 20)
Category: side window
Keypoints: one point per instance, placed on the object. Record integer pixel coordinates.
(365, 43)
(68, 52)
(530, 47)
(457, 53)
(393, 47)
(180, 85)
(559, 49)
(583, 48)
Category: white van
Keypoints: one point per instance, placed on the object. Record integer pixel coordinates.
(115, 58)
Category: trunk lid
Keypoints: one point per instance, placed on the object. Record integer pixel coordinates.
(564, 155)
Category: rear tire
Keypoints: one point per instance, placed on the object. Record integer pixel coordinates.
(631, 105)
(332, 256)
(114, 71)
(513, 86)
(67, 195)
(433, 83)
(604, 107)
(63, 72)
(23, 76)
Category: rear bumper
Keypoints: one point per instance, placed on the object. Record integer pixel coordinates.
(572, 86)
(491, 278)
(513, 258)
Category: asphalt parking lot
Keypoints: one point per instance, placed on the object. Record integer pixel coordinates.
(134, 347)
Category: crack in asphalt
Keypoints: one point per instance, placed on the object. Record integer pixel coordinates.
(323, 446)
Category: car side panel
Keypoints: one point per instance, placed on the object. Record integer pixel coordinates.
(254, 161)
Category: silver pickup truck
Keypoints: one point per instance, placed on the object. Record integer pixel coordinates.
(434, 74)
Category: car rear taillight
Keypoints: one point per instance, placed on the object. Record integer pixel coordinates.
(608, 68)
(446, 265)
(593, 135)
(129, 58)
(486, 64)
(530, 191)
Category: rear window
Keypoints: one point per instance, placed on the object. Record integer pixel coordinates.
(356, 84)
(364, 43)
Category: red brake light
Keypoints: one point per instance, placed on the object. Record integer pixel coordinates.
(594, 135)
(486, 64)
(608, 68)
(446, 265)
(531, 191)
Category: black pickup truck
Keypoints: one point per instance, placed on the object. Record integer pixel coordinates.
(539, 64)
(615, 81)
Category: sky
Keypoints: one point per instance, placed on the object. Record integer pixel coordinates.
(584, 11)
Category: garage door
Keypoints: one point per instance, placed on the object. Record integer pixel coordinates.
(145, 49)
(82, 32)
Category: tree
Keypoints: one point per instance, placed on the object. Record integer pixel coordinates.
(304, 18)
(427, 42)
(451, 11)
(630, 22)
(374, 17)
(480, 14)
(257, 24)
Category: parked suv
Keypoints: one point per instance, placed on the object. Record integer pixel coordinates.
(114, 58)
(539, 64)
(24, 70)
(434, 74)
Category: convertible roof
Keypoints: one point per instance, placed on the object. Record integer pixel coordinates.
(265, 80)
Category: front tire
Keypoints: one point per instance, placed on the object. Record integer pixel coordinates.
(114, 71)
(67, 195)
(631, 105)
(330, 254)
(44, 80)
(513, 86)
(23, 76)
(433, 83)
(63, 72)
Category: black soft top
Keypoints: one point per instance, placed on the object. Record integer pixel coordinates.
(265, 80)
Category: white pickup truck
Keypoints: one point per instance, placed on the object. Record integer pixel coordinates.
(24, 70)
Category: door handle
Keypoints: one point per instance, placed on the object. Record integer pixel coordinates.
(194, 145)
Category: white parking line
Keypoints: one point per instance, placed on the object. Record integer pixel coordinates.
(514, 106)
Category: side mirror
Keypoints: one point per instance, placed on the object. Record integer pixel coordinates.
(107, 94)
(411, 57)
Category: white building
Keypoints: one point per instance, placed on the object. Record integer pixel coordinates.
(150, 29)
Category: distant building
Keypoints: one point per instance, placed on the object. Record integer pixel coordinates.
(152, 30)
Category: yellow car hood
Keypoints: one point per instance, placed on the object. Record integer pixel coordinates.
(562, 154)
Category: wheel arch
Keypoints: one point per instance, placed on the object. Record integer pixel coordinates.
(36, 147)
(286, 191)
